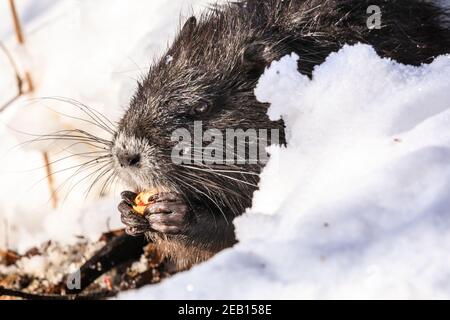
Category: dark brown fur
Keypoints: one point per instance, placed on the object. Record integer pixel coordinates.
(217, 60)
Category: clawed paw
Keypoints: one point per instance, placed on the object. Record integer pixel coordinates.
(169, 214)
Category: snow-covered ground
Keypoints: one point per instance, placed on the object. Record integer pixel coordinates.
(357, 205)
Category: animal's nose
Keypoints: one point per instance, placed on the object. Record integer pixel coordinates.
(129, 160)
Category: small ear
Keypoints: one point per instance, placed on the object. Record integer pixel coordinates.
(188, 26)
(255, 56)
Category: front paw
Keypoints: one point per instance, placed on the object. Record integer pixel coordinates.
(169, 214)
(135, 223)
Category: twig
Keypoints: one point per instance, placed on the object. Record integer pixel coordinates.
(29, 81)
(120, 249)
(17, 26)
(21, 40)
(19, 81)
(35, 296)
(30, 88)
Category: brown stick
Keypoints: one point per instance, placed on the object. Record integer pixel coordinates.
(20, 39)
(120, 249)
(29, 81)
(35, 296)
(18, 78)
(51, 182)
(17, 26)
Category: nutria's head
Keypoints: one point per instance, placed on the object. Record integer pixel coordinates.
(201, 78)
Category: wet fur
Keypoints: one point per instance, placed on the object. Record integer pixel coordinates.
(217, 59)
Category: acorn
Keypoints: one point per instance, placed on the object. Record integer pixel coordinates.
(144, 199)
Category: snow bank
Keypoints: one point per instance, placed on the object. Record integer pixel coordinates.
(357, 205)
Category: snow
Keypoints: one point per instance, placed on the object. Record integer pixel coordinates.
(50, 262)
(356, 206)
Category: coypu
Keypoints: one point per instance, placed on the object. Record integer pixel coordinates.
(209, 74)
